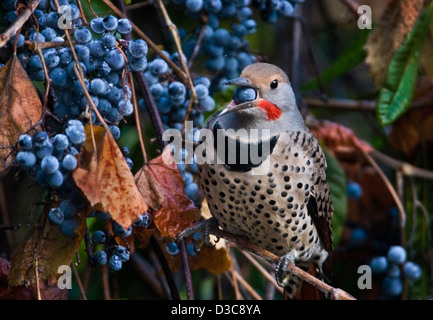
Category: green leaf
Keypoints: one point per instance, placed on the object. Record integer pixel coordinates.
(353, 55)
(337, 185)
(396, 94)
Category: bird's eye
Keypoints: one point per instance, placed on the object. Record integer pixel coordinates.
(274, 84)
(244, 94)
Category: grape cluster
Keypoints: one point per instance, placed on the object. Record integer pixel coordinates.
(113, 254)
(50, 160)
(393, 266)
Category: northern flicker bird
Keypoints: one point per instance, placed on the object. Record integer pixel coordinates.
(281, 203)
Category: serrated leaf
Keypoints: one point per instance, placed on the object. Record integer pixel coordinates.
(396, 94)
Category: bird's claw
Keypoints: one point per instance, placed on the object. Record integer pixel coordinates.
(282, 275)
(204, 227)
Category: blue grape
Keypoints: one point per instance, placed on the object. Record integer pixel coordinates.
(69, 162)
(115, 131)
(172, 248)
(60, 142)
(358, 236)
(244, 94)
(122, 253)
(138, 48)
(142, 221)
(114, 263)
(192, 191)
(25, 141)
(201, 90)
(82, 35)
(68, 227)
(115, 59)
(354, 190)
(138, 64)
(96, 25)
(129, 162)
(52, 59)
(101, 257)
(379, 264)
(43, 149)
(208, 103)
(99, 237)
(396, 255)
(176, 89)
(58, 77)
(68, 208)
(120, 231)
(109, 23)
(190, 248)
(124, 26)
(26, 159)
(56, 216)
(99, 87)
(392, 286)
(194, 5)
(96, 48)
(75, 132)
(55, 179)
(412, 270)
(108, 40)
(49, 164)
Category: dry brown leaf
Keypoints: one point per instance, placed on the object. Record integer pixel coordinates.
(106, 180)
(20, 107)
(388, 34)
(49, 247)
(338, 137)
(177, 212)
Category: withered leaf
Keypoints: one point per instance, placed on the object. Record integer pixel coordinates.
(387, 36)
(106, 180)
(20, 107)
(47, 247)
(177, 212)
(336, 136)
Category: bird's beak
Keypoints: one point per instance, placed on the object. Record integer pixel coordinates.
(240, 82)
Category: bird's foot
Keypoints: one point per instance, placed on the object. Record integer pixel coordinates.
(202, 228)
(281, 273)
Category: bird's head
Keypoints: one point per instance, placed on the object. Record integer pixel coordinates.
(263, 99)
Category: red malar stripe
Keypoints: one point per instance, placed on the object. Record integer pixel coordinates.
(272, 111)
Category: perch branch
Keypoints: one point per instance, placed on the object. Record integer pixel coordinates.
(331, 292)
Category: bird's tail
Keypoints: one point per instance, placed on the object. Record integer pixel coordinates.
(301, 290)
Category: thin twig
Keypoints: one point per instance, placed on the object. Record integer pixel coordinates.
(173, 29)
(331, 292)
(391, 190)
(38, 288)
(19, 22)
(246, 285)
(137, 118)
(105, 283)
(353, 6)
(82, 16)
(406, 168)
(78, 279)
(187, 271)
(262, 270)
(345, 104)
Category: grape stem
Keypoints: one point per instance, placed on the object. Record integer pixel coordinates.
(173, 29)
(19, 22)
